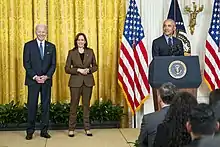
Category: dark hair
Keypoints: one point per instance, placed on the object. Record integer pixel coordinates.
(202, 120)
(177, 116)
(167, 91)
(76, 38)
(214, 96)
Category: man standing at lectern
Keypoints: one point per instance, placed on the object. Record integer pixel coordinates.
(167, 44)
(39, 61)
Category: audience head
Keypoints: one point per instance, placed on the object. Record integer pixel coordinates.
(167, 91)
(169, 27)
(202, 121)
(80, 41)
(214, 97)
(178, 115)
(181, 106)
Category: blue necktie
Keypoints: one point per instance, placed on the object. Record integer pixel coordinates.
(170, 41)
(41, 51)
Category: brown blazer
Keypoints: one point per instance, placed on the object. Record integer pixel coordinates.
(74, 61)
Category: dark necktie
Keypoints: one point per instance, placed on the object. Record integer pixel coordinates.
(41, 51)
(170, 41)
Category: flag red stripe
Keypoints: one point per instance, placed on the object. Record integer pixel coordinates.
(141, 72)
(127, 55)
(208, 79)
(212, 52)
(144, 51)
(136, 102)
(130, 60)
(129, 98)
(209, 64)
(136, 81)
(125, 70)
(138, 88)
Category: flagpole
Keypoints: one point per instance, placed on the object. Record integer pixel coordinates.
(174, 10)
(133, 46)
(134, 120)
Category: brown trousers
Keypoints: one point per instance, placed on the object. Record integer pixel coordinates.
(76, 92)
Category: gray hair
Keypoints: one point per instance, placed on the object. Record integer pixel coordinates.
(171, 20)
(40, 25)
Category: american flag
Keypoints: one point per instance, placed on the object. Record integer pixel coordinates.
(133, 64)
(212, 54)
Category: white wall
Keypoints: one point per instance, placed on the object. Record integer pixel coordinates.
(153, 13)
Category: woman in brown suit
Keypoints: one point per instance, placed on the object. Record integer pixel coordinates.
(80, 64)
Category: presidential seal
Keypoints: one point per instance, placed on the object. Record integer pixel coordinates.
(186, 43)
(177, 69)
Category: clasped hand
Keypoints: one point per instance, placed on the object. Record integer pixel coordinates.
(41, 79)
(83, 71)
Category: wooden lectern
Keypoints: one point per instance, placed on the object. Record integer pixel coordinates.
(182, 71)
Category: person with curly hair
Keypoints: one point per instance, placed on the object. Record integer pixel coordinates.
(172, 132)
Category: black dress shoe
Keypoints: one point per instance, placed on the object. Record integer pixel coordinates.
(29, 136)
(45, 135)
(71, 135)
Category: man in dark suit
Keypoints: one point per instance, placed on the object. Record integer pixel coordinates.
(167, 44)
(214, 101)
(150, 121)
(202, 123)
(39, 60)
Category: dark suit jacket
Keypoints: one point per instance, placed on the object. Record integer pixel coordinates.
(216, 109)
(165, 137)
(149, 127)
(33, 63)
(161, 48)
(194, 143)
(74, 62)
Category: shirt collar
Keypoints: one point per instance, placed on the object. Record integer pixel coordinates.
(38, 42)
(165, 105)
(168, 37)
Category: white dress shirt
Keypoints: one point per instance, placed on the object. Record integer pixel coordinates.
(43, 44)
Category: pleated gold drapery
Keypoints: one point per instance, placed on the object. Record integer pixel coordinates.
(101, 20)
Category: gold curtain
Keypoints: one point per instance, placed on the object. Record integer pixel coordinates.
(101, 20)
